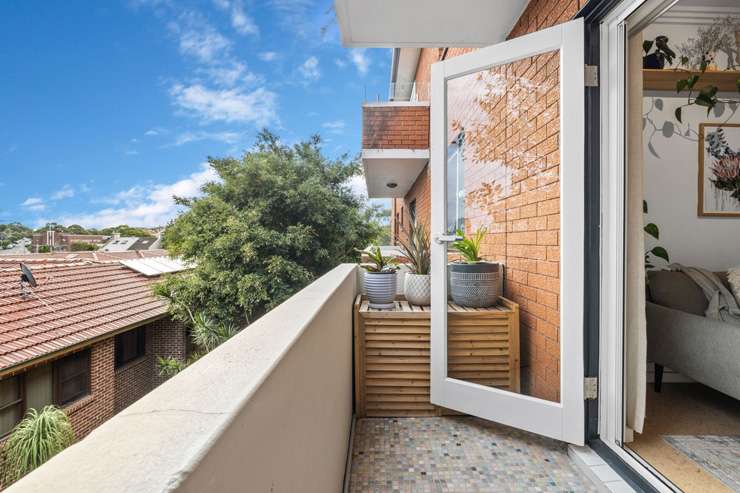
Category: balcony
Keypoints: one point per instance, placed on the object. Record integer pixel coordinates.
(272, 410)
(395, 146)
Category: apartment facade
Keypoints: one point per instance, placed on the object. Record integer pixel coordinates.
(58, 241)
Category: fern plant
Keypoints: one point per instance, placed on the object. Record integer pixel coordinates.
(37, 438)
(416, 248)
(469, 246)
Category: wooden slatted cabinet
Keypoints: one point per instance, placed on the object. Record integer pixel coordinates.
(392, 354)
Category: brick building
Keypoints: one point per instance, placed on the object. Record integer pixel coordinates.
(86, 339)
(502, 171)
(58, 241)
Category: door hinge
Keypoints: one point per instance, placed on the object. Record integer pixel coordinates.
(591, 75)
(590, 388)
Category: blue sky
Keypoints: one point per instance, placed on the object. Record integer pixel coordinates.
(109, 108)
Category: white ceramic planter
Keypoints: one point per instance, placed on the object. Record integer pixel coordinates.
(417, 289)
(380, 289)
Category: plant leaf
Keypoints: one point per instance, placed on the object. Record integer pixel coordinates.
(644, 206)
(678, 114)
(660, 252)
(652, 230)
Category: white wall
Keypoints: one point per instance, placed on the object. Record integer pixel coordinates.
(671, 177)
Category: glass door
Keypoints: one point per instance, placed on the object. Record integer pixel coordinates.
(507, 128)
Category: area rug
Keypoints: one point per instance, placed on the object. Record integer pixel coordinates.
(718, 455)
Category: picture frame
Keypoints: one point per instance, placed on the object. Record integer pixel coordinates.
(717, 200)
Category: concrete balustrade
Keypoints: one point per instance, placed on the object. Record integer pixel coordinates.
(268, 411)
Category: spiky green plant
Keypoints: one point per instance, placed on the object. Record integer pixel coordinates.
(415, 247)
(209, 334)
(378, 263)
(37, 438)
(469, 246)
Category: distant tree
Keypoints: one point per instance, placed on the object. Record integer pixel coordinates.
(76, 229)
(44, 249)
(126, 230)
(12, 232)
(82, 246)
(278, 217)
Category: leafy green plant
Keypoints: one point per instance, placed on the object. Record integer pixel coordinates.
(37, 438)
(657, 251)
(209, 334)
(416, 248)
(378, 262)
(169, 367)
(469, 246)
(706, 96)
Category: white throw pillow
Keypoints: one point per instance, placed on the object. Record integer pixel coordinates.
(733, 275)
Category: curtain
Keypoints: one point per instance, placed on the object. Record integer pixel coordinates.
(635, 333)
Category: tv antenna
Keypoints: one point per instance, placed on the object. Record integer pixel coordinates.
(28, 281)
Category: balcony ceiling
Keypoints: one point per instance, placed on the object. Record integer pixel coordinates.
(394, 166)
(425, 23)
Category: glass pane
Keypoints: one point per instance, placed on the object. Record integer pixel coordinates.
(39, 387)
(9, 417)
(9, 390)
(503, 182)
(73, 388)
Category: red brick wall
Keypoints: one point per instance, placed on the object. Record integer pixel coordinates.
(395, 126)
(91, 411)
(169, 340)
(512, 185)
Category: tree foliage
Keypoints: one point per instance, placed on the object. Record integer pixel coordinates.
(277, 218)
(12, 232)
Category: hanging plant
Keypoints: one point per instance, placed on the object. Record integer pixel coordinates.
(706, 96)
(657, 251)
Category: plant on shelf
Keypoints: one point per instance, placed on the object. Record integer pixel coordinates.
(380, 278)
(473, 281)
(662, 53)
(37, 438)
(416, 248)
(657, 251)
(719, 37)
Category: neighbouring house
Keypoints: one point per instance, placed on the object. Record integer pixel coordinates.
(85, 338)
(118, 243)
(20, 247)
(58, 241)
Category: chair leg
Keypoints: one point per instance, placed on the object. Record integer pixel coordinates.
(658, 377)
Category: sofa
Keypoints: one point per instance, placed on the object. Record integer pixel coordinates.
(680, 337)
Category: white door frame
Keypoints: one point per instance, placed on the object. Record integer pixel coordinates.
(563, 420)
(612, 85)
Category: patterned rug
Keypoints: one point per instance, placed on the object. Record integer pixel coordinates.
(719, 455)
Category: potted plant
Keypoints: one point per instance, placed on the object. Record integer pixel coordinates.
(380, 278)
(415, 247)
(662, 53)
(473, 281)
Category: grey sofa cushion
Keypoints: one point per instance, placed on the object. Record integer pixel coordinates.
(676, 290)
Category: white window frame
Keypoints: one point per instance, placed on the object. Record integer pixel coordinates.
(613, 89)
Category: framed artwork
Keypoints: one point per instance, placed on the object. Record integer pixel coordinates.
(719, 170)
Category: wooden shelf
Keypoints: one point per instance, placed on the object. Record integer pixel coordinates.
(665, 80)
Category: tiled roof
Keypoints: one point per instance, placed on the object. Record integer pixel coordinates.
(75, 301)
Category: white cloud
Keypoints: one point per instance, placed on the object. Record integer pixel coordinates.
(360, 59)
(310, 69)
(231, 74)
(267, 56)
(134, 140)
(145, 205)
(153, 131)
(340, 63)
(222, 4)
(65, 192)
(358, 186)
(132, 152)
(226, 105)
(335, 127)
(34, 204)
(199, 39)
(226, 137)
(242, 22)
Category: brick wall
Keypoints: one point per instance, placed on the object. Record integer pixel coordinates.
(169, 340)
(91, 411)
(395, 126)
(512, 182)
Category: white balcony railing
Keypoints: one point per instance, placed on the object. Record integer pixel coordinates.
(269, 410)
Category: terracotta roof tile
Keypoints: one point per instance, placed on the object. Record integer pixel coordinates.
(75, 300)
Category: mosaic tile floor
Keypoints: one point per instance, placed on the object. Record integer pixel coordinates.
(457, 455)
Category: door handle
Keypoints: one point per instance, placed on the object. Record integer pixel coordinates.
(447, 238)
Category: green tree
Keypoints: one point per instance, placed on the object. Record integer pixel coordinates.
(37, 438)
(82, 246)
(277, 218)
(12, 232)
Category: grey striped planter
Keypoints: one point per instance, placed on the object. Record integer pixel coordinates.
(475, 285)
(380, 289)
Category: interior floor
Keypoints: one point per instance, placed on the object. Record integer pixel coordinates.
(685, 409)
(457, 454)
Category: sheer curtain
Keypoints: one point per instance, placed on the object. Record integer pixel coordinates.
(635, 333)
